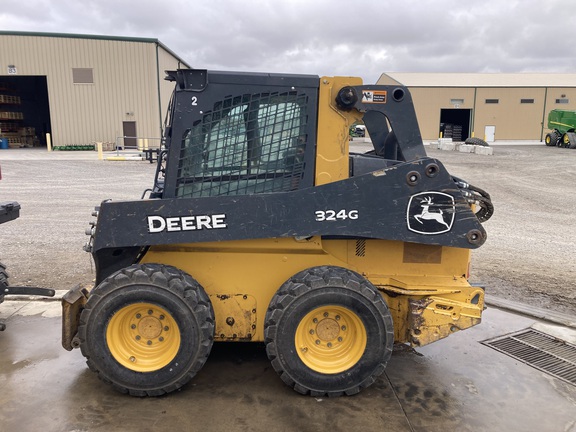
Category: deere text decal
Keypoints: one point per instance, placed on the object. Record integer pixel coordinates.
(158, 224)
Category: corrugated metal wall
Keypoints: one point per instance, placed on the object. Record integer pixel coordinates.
(428, 103)
(512, 119)
(125, 84)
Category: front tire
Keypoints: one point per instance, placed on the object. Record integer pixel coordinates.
(551, 139)
(328, 332)
(147, 329)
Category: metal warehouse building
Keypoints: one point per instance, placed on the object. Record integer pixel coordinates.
(489, 106)
(81, 89)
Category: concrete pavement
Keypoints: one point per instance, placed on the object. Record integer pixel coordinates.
(454, 384)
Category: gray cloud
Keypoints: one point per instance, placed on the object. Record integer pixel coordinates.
(324, 37)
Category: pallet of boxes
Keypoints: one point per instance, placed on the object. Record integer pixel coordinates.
(13, 133)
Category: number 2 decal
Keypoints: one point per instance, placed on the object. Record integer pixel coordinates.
(194, 100)
(333, 215)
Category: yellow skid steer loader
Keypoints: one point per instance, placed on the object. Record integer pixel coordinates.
(262, 226)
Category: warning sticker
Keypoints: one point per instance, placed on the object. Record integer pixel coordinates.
(374, 96)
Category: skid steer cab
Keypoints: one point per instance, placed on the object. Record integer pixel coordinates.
(262, 226)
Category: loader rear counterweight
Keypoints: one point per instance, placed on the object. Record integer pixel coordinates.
(327, 256)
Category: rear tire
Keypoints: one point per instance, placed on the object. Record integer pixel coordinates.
(328, 332)
(565, 141)
(147, 329)
(3, 279)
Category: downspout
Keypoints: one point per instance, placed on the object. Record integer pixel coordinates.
(544, 113)
(474, 112)
(158, 88)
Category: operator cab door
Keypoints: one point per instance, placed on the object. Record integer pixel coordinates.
(241, 139)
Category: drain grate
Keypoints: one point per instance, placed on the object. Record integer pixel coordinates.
(541, 351)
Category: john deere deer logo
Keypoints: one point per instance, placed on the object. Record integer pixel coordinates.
(430, 213)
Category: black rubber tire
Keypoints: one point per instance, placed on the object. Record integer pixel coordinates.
(327, 286)
(476, 141)
(551, 139)
(3, 278)
(564, 142)
(169, 288)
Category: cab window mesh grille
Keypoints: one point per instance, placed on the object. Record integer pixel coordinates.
(247, 144)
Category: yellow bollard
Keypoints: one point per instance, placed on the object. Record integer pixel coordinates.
(48, 142)
(100, 154)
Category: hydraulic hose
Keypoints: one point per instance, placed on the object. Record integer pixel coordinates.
(477, 196)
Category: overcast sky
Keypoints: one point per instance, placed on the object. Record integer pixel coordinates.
(327, 37)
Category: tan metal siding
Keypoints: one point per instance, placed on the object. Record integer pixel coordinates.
(512, 119)
(125, 81)
(429, 101)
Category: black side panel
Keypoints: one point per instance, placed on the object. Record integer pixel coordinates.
(415, 202)
(110, 260)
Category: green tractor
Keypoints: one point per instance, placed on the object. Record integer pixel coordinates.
(562, 125)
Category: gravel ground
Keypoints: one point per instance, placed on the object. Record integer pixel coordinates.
(529, 256)
(530, 253)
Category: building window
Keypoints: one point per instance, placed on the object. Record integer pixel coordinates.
(492, 101)
(82, 76)
(562, 101)
(456, 101)
(526, 101)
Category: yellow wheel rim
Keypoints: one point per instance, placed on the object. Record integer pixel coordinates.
(143, 337)
(330, 339)
(566, 139)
